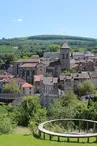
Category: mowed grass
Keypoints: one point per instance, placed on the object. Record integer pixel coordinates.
(7, 48)
(23, 137)
(29, 140)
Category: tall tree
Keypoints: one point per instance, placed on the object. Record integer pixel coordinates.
(86, 88)
(11, 87)
(54, 48)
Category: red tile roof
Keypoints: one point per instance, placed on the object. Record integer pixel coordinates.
(37, 78)
(28, 60)
(26, 85)
(6, 76)
(29, 65)
(18, 80)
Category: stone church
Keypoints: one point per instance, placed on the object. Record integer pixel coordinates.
(65, 57)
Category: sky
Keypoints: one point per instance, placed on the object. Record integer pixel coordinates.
(21, 18)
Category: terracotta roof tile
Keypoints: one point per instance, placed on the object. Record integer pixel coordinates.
(29, 65)
(28, 60)
(26, 85)
(37, 78)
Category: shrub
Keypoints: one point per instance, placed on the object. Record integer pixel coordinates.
(6, 125)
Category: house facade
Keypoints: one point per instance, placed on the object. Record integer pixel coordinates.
(27, 89)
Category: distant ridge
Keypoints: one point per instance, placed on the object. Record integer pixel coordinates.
(62, 37)
(42, 43)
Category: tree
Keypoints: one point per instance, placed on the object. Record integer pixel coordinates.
(10, 58)
(54, 48)
(69, 97)
(31, 111)
(6, 125)
(86, 88)
(11, 87)
(63, 107)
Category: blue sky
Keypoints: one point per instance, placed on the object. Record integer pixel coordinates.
(32, 17)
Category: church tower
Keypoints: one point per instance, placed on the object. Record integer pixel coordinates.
(65, 57)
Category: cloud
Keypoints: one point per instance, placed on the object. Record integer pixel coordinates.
(19, 20)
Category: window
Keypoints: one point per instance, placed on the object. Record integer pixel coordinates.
(63, 57)
(30, 88)
(33, 72)
(23, 73)
(17, 68)
(66, 56)
(28, 73)
(30, 92)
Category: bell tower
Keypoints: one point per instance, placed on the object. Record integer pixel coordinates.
(65, 57)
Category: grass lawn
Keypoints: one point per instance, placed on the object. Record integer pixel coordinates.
(23, 137)
(7, 48)
(29, 140)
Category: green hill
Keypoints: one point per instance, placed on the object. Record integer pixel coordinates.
(41, 43)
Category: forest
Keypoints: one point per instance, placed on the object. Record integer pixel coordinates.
(15, 48)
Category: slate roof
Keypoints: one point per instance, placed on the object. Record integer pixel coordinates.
(49, 80)
(52, 64)
(93, 74)
(65, 46)
(83, 75)
(62, 78)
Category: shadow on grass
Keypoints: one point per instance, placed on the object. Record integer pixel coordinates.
(63, 140)
(27, 134)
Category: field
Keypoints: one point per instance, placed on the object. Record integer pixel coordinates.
(7, 49)
(23, 137)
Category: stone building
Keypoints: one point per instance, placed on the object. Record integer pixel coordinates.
(27, 89)
(18, 63)
(65, 57)
(68, 83)
(54, 69)
(28, 70)
(48, 90)
(51, 55)
(86, 65)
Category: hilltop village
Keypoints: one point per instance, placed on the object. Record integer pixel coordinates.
(51, 75)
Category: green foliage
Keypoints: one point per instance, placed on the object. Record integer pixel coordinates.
(86, 88)
(7, 48)
(14, 113)
(69, 97)
(25, 47)
(54, 48)
(10, 58)
(63, 107)
(6, 125)
(31, 111)
(11, 87)
(66, 73)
